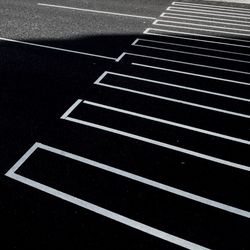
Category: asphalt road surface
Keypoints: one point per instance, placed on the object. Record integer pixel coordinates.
(124, 124)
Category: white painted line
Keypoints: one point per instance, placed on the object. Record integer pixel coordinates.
(145, 181)
(192, 64)
(158, 22)
(184, 72)
(206, 30)
(209, 12)
(96, 11)
(188, 53)
(160, 144)
(163, 121)
(147, 31)
(196, 47)
(102, 211)
(181, 102)
(56, 48)
(182, 17)
(68, 112)
(233, 21)
(171, 85)
(211, 6)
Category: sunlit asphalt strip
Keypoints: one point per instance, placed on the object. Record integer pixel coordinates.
(96, 11)
(90, 206)
(55, 48)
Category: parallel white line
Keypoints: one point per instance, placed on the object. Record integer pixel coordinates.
(167, 122)
(102, 211)
(190, 53)
(145, 181)
(211, 6)
(207, 30)
(161, 144)
(233, 21)
(192, 64)
(182, 17)
(178, 101)
(157, 22)
(56, 48)
(147, 31)
(96, 11)
(171, 85)
(196, 47)
(188, 73)
(209, 12)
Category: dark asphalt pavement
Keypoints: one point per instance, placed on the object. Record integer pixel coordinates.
(154, 152)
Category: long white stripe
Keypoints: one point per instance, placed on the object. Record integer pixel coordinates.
(233, 22)
(163, 121)
(156, 22)
(187, 73)
(160, 144)
(56, 48)
(182, 17)
(181, 102)
(207, 30)
(210, 5)
(209, 12)
(96, 11)
(143, 180)
(192, 64)
(171, 85)
(147, 31)
(196, 47)
(190, 53)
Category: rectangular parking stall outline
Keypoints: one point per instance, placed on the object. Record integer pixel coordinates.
(90, 206)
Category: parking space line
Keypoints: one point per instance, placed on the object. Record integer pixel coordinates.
(183, 102)
(158, 22)
(147, 31)
(208, 30)
(189, 73)
(167, 14)
(163, 121)
(96, 11)
(160, 144)
(214, 6)
(180, 17)
(56, 48)
(209, 12)
(171, 85)
(186, 52)
(130, 176)
(94, 208)
(192, 64)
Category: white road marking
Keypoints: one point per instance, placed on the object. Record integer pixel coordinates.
(182, 17)
(233, 22)
(192, 64)
(96, 11)
(184, 52)
(188, 73)
(181, 102)
(170, 85)
(209, 12)
(56, 48)
(206, 30)
(147, 31)
(214, 6)
(140, 179)
(69, 111)
(161, 22)
(163, 121)
(160, 144)
(97, 209)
